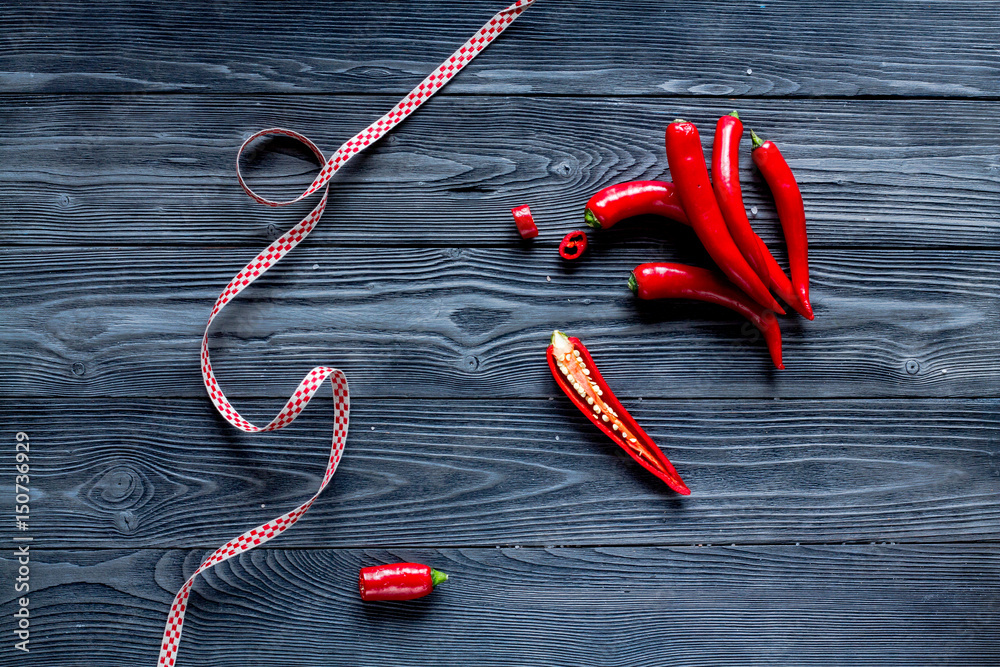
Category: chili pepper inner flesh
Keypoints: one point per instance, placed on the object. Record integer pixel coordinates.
(573, 368)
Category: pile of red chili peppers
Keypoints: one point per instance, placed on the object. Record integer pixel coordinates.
(714, 209)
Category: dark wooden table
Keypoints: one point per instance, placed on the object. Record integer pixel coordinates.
(845, 510)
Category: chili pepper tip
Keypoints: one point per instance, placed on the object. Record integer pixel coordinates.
(755, 140)
(437, 577)
(632, 284)
(734, 113)
(677, 120)
(591, 219)
(807, 307)
(525, 223)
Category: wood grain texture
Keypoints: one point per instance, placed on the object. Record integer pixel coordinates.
(854, 521)
(473, 323)
(781, 605)
(693, 48)
(127, 170)
(171, 473)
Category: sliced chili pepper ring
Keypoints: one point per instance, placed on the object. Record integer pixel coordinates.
(573, 245)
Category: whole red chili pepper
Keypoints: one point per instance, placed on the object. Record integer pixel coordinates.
(726, 183)
(791, 210)
(687, 167)
(625, 200)
(578, 377)
(573, 245)
(525, 223)
(679, 281)
(398, 581)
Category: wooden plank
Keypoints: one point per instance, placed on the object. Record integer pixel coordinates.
(171, 473)
(776, 48)
(768, 605)
(123, 169)
(474, 323)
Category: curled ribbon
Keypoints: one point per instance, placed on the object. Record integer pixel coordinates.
(270, 256)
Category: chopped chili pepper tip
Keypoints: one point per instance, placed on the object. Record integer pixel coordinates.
(734, 113)
(525, 222)
(591, 219)
(398, 581)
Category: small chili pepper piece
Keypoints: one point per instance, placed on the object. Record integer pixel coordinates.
(398, 581)
(679, 281)
(687, 167)
(525, 223)
(791, 210)
(577, 375)
(726, 183)
(625, 200)
(573, 245)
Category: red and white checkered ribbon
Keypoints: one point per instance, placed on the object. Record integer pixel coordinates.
(267, 258)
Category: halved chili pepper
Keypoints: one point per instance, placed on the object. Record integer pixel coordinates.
(525, 223)
(625, 200)
(687, 167)
(577, 375)
(679, 281)
(791, 210)
(573, 245)
(726, 183)
(398, 581)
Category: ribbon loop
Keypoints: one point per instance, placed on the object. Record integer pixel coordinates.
(271, 132)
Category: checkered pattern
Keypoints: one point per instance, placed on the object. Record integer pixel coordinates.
(267, 258)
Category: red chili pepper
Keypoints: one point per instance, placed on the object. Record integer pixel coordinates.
(625, 200)
(679, 281)
(791, 210)
(578, 377)
(726, 183)
(525, 223)
(687, 167)
(573, 245)
(398, 581)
